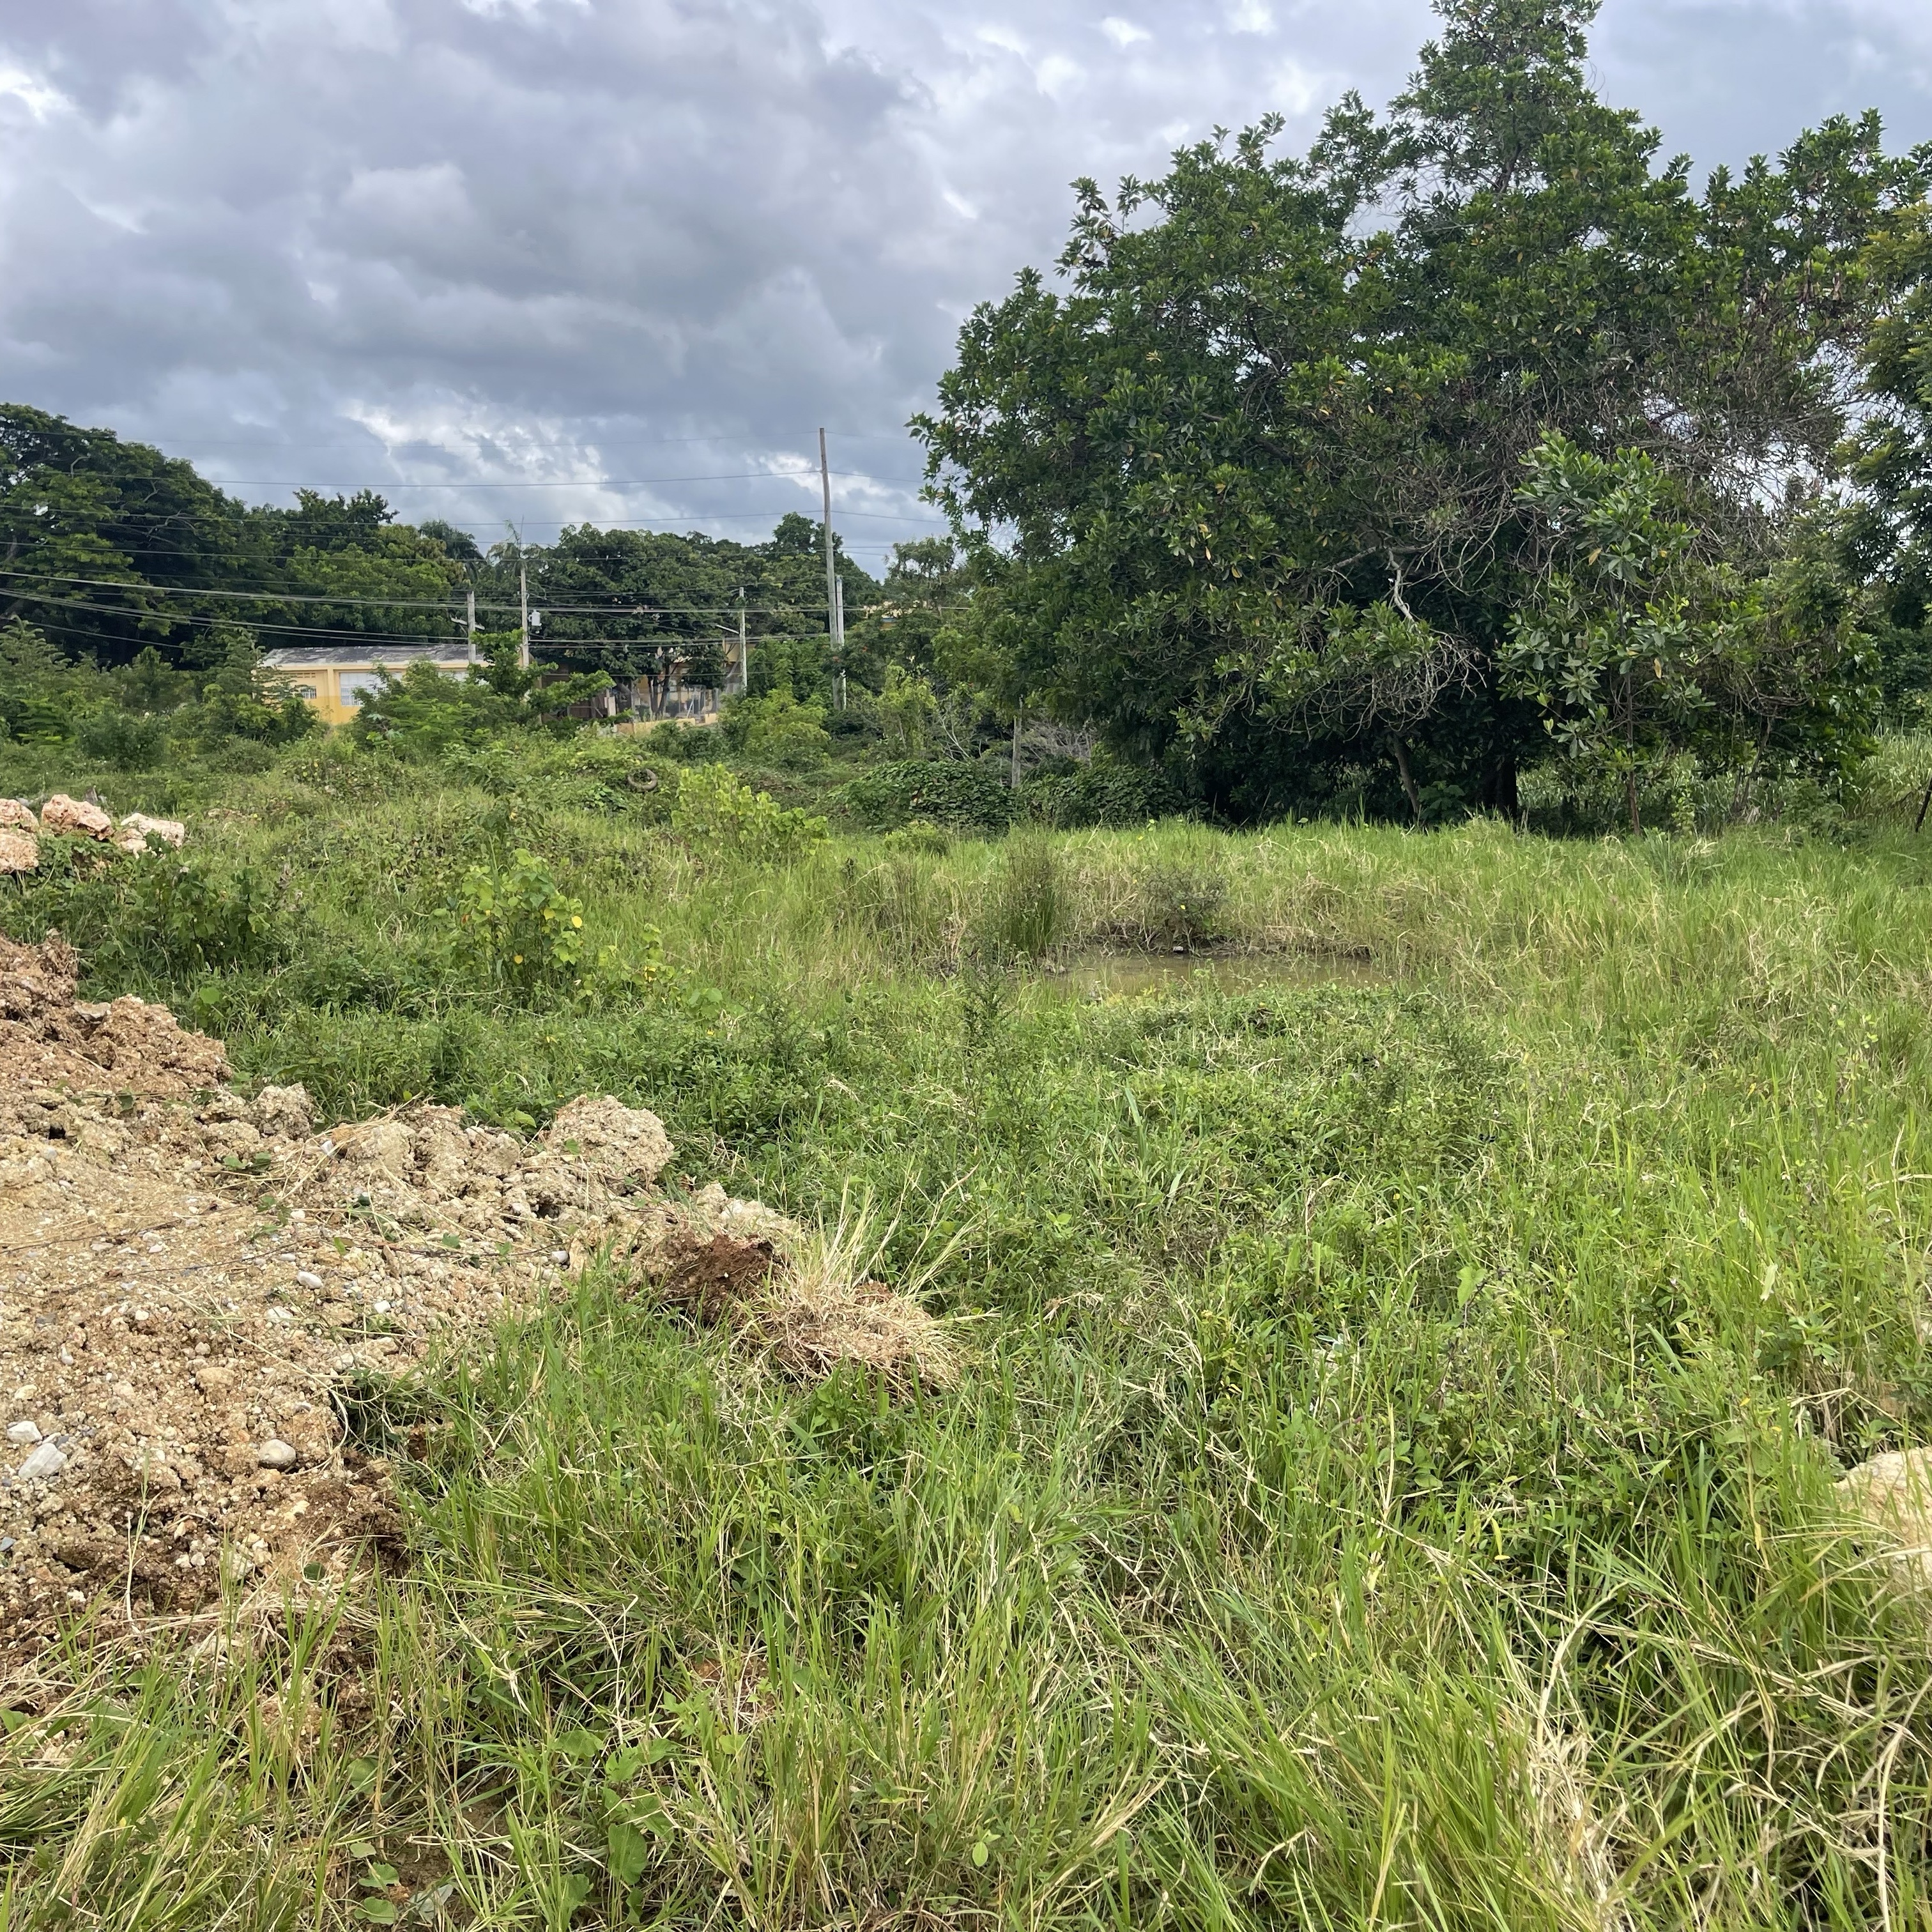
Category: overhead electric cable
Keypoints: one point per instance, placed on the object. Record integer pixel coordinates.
(609, 610)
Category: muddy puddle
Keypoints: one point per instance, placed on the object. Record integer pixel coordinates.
(1127, 976)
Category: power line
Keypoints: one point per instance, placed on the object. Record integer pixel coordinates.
(238, 519)
(626, 443)
(381, 639)
(390, 603)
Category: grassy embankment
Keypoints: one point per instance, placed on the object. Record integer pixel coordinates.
(1391, 1483)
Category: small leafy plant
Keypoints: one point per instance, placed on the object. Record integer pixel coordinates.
(515, 925)
(715, 808)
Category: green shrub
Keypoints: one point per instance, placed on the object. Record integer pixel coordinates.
(967, 797)
(514, 924)
(920, 834)
(776, 729)
(121, 739)
(1099, 793)
(241, 699)
(432, 712)
(176, 918)
(1182, 902)
(688, 744)
(714, 808)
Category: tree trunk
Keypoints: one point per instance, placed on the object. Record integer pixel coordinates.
(1408, 778)
(1504, 796)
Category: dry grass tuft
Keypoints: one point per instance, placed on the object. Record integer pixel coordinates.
(827, 1309)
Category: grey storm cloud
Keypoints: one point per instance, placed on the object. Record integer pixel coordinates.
(635, 245)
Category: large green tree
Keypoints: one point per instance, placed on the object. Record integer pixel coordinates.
(1890, 452)
(1252, 487)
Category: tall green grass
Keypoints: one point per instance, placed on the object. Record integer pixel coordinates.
(1391, 1480)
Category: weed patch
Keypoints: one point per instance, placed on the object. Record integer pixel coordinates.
(1301, 1452)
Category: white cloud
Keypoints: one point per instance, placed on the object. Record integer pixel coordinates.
(1251, 16)
(33, 91)
(1058, 75)
(1123, 33)
(1004, 38)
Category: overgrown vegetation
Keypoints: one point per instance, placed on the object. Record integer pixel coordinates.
(1384, 1472)
(1389, 1475)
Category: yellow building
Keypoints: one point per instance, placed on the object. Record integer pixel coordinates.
(332, 680)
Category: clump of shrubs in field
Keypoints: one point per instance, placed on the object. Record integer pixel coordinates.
(138, 717)
(716, 811)
(977, 796)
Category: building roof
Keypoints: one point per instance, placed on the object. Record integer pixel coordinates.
(355, 657)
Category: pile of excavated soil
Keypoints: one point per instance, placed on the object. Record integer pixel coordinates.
(191, 1282)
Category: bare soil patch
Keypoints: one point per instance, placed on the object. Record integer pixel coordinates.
(191, 1281)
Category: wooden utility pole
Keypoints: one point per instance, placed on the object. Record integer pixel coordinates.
(523, 611)
(469, 627)
(744, 647)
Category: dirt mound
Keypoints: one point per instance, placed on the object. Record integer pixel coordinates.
(49, 1040)
(710, 1280)
(194, 1286)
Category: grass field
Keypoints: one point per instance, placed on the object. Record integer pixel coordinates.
(1391, 1484)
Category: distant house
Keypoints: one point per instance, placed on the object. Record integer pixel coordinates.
(332, 680)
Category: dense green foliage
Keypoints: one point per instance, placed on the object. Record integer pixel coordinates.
(112, 546)
(1891, 536)
(1391, 1479)
(978, 797)
(1258, 475)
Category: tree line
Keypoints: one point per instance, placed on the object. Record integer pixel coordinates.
(119, 561)
(1480, 440)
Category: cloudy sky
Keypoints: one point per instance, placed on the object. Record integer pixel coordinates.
(533, 261)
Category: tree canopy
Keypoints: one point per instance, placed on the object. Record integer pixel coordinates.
(1254, 493)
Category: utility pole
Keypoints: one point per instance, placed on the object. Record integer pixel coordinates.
(744, 647)
(835, 605)
(470, 624)
(839, 604)
(523, 609)
(1017, 715)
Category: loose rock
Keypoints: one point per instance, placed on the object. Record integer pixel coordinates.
(1893, 1492)
(19, 852)
(23, 1433)
(18, 815)
(46, 1461)
(133, 833)
(276, 1454)
(62, 814)
(284, 1113)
